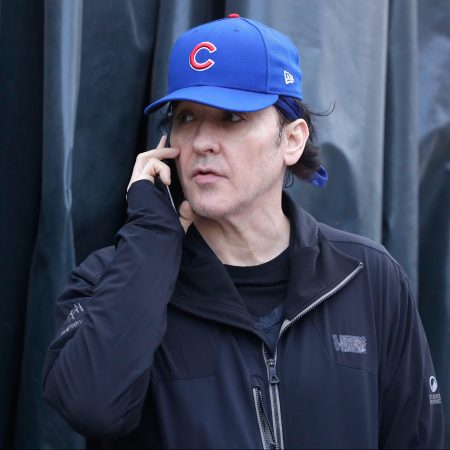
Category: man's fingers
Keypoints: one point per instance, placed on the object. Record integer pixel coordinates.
(149, 164)
(160, 153)
(156, 167)
(162, 141)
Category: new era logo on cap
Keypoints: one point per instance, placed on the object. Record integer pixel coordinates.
(288, 78)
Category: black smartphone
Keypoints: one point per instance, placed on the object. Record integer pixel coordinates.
(174, 194)
(165, 190)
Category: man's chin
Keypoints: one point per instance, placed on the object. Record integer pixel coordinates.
(208, 209)
(207, 212)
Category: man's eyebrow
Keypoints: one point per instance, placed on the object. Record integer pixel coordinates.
(177, 109)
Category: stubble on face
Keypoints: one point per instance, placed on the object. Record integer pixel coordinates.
(257, 183)
(263, 180)
(252, 188)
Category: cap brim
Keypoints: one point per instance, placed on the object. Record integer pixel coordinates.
(218, 97)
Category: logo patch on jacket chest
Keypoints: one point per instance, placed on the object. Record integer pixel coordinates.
(349, 344)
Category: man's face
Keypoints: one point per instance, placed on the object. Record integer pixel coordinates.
(230, 163)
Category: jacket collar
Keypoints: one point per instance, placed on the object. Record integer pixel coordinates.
(204, 288)
(316, 265)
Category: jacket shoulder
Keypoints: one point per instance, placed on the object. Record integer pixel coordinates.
(371, 253)
(354, 244)
(344, 237)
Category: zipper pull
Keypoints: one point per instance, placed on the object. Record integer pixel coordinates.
(273, 377)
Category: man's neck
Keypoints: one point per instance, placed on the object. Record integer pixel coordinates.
(249, 239)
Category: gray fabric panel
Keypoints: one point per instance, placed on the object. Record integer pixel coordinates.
(20, 179)
(401, 147)
(434, 176)
(118, 41)
(54, 252)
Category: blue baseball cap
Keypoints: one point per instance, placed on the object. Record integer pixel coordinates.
(235, 64)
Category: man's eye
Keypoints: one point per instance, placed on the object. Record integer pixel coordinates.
(233, 117)
(184, 116)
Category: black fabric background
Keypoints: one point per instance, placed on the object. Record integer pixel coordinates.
(75, 77)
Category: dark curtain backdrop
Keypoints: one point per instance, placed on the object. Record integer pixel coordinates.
(74, 79)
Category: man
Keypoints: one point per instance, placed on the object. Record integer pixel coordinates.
(241, 322)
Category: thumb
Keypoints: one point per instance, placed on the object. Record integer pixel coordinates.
(187, 215)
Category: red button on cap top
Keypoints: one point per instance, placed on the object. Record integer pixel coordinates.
(233, 16)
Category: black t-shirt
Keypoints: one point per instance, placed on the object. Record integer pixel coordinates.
(262, 287)
(263, 290)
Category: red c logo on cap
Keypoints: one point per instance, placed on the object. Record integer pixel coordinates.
(211, 48)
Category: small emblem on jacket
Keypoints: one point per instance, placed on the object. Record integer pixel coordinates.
(433, 384)
(435, 399)
(77, 309)
(349, 344)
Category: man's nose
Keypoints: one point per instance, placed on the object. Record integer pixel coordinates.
(206, 138)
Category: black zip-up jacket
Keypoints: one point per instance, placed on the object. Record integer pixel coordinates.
(155, 347)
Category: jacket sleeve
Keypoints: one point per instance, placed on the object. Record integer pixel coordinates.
(410, 413)
(97, 369)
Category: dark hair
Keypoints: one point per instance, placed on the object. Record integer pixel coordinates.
(309, 162)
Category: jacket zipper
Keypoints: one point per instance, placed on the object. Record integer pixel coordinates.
(265, 429)
(271, 361)
(274, 398)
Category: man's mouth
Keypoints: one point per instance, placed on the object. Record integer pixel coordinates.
(205, 175)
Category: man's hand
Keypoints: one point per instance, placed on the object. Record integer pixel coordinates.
(149, 164)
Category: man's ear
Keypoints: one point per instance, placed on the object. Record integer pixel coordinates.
(296, 135)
